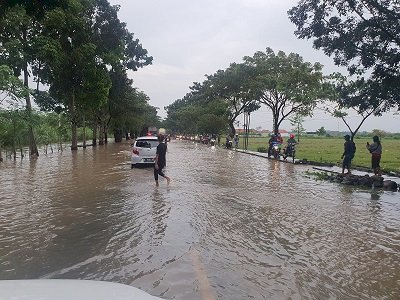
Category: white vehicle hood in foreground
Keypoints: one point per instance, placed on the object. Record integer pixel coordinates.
(65, 289)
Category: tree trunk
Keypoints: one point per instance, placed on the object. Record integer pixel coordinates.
(94, 140)
(101, 134)
(298, 132)
(14, 150)
(118, 135)
(21, 149)
(84, 133)
(33, 150)
(60, 148)
(275, 118)
(74, 142)
(105, 134)
(232, 128)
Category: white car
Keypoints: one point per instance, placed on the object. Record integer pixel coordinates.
(144, 150)
(69, 289)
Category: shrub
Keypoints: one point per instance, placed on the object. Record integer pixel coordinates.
(262, 149)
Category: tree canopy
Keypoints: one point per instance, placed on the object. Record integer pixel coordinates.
(363, 35)
(284, 83)
(74, 47)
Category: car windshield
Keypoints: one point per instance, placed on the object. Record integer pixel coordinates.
(146, 143)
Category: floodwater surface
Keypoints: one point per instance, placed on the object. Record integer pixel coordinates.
(229, 226)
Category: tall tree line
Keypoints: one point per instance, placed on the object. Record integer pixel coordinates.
(286, 84)
(81, 52)
(361, 35)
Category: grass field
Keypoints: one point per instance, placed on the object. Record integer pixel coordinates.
(330, 150)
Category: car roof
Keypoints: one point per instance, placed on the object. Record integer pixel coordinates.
(147, 137)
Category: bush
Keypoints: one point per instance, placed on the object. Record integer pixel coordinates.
(262, 149)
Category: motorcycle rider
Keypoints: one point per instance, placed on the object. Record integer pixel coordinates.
(228, 142)
(291, 142)
(280, 139)
(275, 138)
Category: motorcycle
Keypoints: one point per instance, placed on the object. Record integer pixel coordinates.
(228, 144)
(212, 142)
(276, 150)
(290, 150)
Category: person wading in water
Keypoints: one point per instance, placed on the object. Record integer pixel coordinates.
(160, 161)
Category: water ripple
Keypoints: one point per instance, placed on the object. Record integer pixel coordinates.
(230, 225)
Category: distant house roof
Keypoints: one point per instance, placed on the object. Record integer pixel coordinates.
(262, 131)
(239, 130)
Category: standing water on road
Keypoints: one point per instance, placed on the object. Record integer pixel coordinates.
(229, 226)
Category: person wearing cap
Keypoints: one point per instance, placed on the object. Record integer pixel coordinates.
(236, 141)
(160, 160)
(348, 153)
(290, 143)
(291, 139)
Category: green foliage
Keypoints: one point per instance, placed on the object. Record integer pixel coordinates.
(14, 125)
(284, 83)
(72, 46)
(297, 122)
(317, 175)
(13, 128)
(362, 35)
(11, 88)
(262, 149)
(210, 123)
(321, 131)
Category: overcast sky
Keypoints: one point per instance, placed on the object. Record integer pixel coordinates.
(189, 39)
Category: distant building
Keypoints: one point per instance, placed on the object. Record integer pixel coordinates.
(262, 132)
(311, 133)
(284, 133)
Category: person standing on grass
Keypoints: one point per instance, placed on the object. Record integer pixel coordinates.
(376, 152)
(236, 141)
(160, 160)
(348, 153)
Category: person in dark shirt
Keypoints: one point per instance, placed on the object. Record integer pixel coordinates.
(160, 160)
(291, 142)
(275, 138)
(348, 153)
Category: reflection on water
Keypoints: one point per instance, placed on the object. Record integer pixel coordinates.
(230, 226)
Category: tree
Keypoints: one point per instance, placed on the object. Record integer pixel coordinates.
(321, 131)
(297, 122)
(359, 96)
(12, 88)
(210, 123)
(379, 132)
(19, 32)
(284, 83)
(362, 35)
(81, 41)
(230, 86)
(129, 109)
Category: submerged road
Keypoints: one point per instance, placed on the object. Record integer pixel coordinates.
(229, 226)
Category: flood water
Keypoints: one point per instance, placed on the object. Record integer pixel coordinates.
(229, 226)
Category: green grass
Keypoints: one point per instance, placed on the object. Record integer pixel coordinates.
(330, 150)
